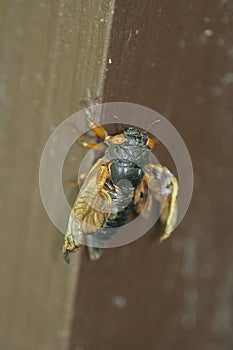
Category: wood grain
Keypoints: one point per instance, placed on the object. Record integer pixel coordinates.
(51, 53)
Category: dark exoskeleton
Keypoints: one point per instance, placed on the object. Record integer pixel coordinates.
(122, 181)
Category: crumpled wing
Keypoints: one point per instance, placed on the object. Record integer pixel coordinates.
(164, 187)
(91, 209)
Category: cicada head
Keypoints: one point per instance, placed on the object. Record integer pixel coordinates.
(137, 138)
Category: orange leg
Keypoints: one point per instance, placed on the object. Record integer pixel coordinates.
(98, 130)
(89, 145)
(89, 104)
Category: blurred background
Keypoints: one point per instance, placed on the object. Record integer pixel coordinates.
(174, 57)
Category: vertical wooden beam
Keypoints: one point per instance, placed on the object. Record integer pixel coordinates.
(51, 52)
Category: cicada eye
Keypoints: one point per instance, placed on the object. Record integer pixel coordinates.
(150, 143)
(118, 139)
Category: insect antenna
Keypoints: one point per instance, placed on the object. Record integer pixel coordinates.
(154, 122)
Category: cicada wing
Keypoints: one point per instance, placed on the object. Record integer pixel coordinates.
(91, 209)
(170, 210)
(143, 200)
(164, 186)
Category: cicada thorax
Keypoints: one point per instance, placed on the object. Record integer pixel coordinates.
(127, 162)
(125, 170)
(125, 177)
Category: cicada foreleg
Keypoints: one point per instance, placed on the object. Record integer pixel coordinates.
(93, 252)
(99, 131)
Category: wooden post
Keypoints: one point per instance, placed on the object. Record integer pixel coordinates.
(51, 53)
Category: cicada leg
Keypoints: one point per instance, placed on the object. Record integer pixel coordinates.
(93, 252)
(88, 105)
(98, 130)
(98, 146)
(164, 186)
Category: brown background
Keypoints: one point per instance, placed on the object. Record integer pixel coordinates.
(172, 56)
(178, 295)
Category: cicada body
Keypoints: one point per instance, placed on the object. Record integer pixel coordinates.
(118, 184)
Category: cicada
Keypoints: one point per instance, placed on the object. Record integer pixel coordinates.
(125, 157)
